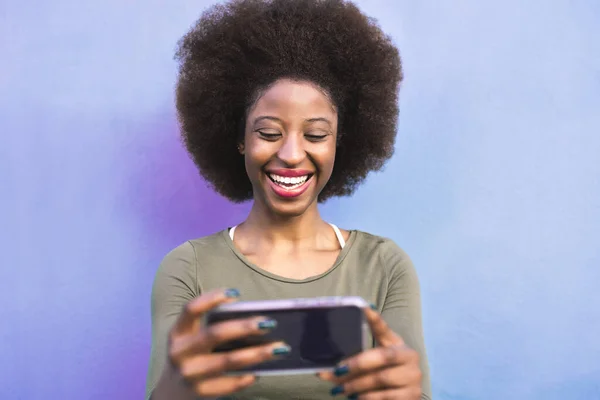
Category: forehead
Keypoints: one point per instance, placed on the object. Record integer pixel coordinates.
(294, 98)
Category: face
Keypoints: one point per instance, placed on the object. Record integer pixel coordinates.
(289, 146)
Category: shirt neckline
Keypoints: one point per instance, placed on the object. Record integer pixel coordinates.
(344, 251)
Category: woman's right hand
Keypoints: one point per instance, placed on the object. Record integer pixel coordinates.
(191, 347)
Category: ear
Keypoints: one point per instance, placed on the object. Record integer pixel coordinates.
(241, 148)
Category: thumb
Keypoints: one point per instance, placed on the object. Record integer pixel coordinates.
(382, 333)
(190, 316)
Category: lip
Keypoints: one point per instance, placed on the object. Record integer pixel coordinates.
(287, 193)
(289, 173)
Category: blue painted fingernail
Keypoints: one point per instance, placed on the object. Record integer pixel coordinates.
(232, 293)
(337, 390)
(373, 307)
(267, 324)
(341, 370)
(353, 397)
(282, 351)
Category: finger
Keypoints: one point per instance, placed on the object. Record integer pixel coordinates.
(223, 385)
(407, 393)
(227, 331)
(214, 364)
(388, 378)
(371, 360)
(189, 317)
(382, 333)
(204, 341)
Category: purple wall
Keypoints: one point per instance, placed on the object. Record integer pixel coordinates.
(494, 192)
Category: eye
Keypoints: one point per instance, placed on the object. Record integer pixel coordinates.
(316, 136)
(269, 135)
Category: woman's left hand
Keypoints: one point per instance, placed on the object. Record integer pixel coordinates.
(390, 371)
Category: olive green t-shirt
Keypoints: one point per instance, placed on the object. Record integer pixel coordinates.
(369, 266)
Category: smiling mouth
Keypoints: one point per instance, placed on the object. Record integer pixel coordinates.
(289, 183)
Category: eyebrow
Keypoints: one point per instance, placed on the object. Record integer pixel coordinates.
(320, 119)
(271, 118)
(258, 119)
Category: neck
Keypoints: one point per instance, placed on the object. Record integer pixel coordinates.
(277, 228)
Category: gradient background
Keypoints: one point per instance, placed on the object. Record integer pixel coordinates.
(494, 191)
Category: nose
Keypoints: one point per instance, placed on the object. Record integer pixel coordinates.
(292, 151)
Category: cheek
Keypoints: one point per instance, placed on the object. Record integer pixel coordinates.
(325, 157)
(257, 154)
(329, 153)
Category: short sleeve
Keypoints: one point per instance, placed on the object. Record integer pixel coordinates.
(174, 286)
(402, 306)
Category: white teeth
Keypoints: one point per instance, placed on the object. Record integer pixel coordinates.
(295, 181)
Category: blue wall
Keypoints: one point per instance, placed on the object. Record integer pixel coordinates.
(494, 191)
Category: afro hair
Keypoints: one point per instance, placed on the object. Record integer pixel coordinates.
(238, 49)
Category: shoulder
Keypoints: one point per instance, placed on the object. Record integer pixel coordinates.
(182, 261)
(385, 247)
(391, 256)
(213, 242)
(192, 250)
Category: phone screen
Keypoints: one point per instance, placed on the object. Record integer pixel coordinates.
(319, 337)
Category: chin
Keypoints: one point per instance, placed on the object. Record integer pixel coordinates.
(288, 209)
(290, 212)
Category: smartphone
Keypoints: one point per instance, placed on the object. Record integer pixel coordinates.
(321, 331)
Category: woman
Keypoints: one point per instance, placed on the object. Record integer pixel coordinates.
(287, 103)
